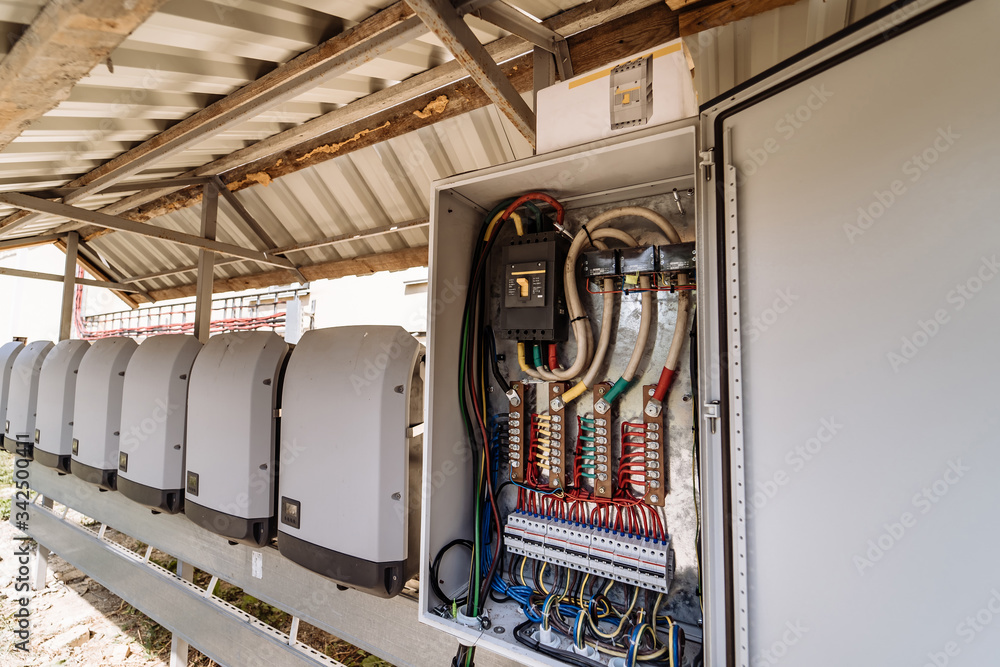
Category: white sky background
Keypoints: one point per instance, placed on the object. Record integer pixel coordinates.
(31, 307)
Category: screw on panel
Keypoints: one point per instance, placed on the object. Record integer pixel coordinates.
(399, 389)
(396, 496)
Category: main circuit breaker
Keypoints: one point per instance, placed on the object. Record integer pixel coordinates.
(8, 354)
(533, 305)
(233, 400)
(98, 411)
(22, 406)
(632, 93)
(56, 400)
(350, 478)
(154, 416)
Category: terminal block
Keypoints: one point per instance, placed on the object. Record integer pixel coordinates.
(517, 429)
(630, 559)
(557, 439)
(655, 453)
(673, 258)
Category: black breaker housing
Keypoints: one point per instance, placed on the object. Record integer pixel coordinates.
(532, 300)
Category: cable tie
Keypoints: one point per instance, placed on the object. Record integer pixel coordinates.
(582, 317)
(589, 237)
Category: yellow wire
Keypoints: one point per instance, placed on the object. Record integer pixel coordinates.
(524, 561)
(541, 575)
(521, 359)
(621, 622)
(574, 391)
(583, 587)
(513, 216)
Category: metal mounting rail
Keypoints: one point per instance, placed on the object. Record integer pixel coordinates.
(388, 629)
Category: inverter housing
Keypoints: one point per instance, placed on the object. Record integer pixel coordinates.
(8, 353)
(154, 418)
(351, 449)
(56, 400)
(98, 411)
(233, 400)
(22, 404)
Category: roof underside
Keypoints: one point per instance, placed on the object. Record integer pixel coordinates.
(192, 53)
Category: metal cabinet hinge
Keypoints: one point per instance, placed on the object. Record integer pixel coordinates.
(707, 162)
(276, 413)
(712, 413)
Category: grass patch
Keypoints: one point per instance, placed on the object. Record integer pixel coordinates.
(6, 483)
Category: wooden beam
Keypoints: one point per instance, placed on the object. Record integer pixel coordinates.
(369, 39)
(718, 14)
(61, 46)
(355, 266)
(440, 16)
(589, 50)
(680, 4)
(583, 17)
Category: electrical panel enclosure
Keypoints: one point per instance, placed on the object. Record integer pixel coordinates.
(56, 401)
(233, 399)
(154, 416)
(98, 411)
(22, 405)
(350, 467)
(8, 354)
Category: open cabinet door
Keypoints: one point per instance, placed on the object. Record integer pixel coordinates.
(850, 281)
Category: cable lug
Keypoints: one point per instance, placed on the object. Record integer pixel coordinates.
(654, 408)
(514, 399)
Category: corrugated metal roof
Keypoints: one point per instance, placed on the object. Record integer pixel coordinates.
(195, 51)
(186, 56)
(381, 185)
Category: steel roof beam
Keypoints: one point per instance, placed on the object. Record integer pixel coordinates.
(299, 247)
(55, 277)
(45, 206)
(445, 22)
(514, 21)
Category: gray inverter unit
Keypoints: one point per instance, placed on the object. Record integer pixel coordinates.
(154, 418)
(56, 400)
(98, 418)
(232, 435)
(8, 353)
(349, 488)
(22, 404)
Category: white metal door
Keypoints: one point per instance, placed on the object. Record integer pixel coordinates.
(856, 315)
